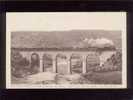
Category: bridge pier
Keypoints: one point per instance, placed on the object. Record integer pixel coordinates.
(84, 64)
(69, 64)
(54, 64)
(41, 64)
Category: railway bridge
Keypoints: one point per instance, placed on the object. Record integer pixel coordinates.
(87, 57)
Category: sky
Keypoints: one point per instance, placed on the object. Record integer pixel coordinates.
(60, 21)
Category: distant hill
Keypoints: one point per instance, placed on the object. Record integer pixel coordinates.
(60, 39)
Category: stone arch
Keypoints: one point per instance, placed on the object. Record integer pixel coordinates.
(76, 62)
(61, 64)
(35, 62)
(92, 61)
(47, 62)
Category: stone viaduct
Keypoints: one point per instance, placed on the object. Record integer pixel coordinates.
(84, 53)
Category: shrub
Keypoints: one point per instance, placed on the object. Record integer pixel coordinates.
(114, 63)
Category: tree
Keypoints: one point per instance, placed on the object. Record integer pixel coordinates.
(18, 64)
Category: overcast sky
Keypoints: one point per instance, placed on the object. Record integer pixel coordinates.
(65, 21)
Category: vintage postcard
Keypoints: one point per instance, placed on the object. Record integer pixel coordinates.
(71, 50)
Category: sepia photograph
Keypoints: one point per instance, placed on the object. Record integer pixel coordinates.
(71, 50)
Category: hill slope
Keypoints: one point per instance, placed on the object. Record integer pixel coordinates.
(36, 39)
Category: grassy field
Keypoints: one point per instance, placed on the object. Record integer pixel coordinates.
(113, 77)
